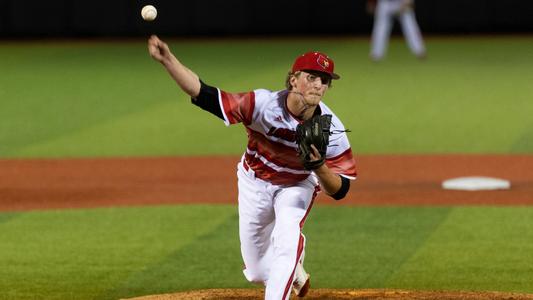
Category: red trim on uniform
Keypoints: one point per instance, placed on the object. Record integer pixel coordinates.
(343, 163)
(315, 193)
(226, 106)
(300, 242)
(250, 114)
(347, 152)
(298, 255)
(278, 162)
(278, 153)
(238, 107)
(266, 173)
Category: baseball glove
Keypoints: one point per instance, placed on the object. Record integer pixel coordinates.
(314, 131)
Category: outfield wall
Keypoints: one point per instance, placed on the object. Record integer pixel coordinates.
(65, 18)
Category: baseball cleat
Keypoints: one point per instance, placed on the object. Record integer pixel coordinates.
(301, 284)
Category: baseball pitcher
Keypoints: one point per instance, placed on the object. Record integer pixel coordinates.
(296, 147)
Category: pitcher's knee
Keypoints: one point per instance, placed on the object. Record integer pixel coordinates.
(254, 276)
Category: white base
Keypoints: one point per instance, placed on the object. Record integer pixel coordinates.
(476, 183)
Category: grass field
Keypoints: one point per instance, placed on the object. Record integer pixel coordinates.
(93, 99)
(111, 253)
(473, 95)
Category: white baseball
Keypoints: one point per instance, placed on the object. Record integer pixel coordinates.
(149, 13)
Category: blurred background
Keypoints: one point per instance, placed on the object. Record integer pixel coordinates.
(76, 79)
(64, 18)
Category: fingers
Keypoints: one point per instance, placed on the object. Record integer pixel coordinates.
(157, 48)
(153, 47)
(314, 155)
(153, 42)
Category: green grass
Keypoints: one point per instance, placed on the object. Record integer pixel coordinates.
(90, 99)
(474, 249)
(84, 254)
(110, 99)
(112, 253)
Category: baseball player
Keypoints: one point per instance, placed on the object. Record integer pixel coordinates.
(276, 192)
(385, 11)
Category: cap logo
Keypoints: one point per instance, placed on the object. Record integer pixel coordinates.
(323, 62)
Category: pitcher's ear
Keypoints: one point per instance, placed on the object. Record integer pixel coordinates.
(293, 81)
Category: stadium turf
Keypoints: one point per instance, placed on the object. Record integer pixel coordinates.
(111, 253)
(107, 98)
(71, 99)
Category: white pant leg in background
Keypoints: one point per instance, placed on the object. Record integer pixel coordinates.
(411, 31)
(270, 220)
(383, 21)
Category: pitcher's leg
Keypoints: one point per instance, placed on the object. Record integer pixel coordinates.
(256, 222)
(291, 207)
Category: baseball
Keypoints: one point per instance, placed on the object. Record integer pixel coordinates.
(149, 13)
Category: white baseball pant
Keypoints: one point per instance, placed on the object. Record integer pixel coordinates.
(386, 10)
(271, 218)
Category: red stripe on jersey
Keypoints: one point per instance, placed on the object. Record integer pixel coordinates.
(238, 107)
(266, 173)
(277, 153)
(251, 108)
(343, 164)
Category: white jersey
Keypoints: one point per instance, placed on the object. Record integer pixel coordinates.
(272, 150)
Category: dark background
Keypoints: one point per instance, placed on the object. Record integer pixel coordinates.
(112, 18)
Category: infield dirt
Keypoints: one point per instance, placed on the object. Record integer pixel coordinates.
(382, 180)
(330, 294)
(29, 184)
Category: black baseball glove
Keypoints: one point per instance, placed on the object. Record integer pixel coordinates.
(314, 131)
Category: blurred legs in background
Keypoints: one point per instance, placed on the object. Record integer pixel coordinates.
(385, 12)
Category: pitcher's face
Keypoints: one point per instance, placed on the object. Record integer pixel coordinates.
(312, 85)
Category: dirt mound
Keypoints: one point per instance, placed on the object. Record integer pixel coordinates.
(234, 294)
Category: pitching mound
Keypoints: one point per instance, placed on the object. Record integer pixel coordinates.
(234, 294)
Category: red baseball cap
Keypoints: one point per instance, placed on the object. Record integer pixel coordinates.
(315, 61)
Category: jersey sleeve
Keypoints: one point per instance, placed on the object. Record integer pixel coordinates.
(237, 107)
(343, 164)
(339, 156)
(232, 108)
